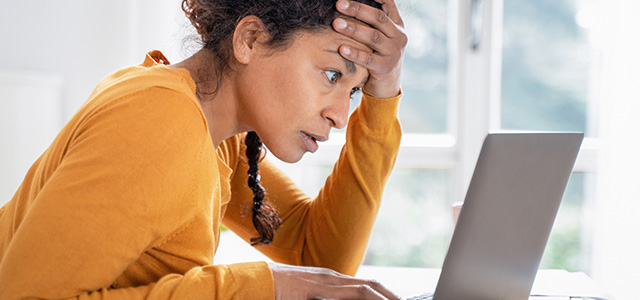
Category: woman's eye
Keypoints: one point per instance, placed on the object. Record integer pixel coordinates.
(354, 91)
(333, 76)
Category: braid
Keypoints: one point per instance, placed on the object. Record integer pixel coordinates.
(265, 217)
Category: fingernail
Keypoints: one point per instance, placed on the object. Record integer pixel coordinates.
(343, 4)
(341, 24)
(346, 50)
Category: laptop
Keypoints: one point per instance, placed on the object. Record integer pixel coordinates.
(507, 215)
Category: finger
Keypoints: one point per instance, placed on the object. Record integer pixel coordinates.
(335, 279)
(368, 286)
(316, 281)
(382, 290)
(381, 19)
(364, 58)
(346, 292)
(391, 9)
(371, 37)
(331, 278)
(373, 17)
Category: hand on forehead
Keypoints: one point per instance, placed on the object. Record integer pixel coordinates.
(381, 30)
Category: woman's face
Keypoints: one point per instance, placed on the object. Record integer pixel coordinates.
(293, 97)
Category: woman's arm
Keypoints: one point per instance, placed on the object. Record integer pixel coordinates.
(124, 186)
(332, 230)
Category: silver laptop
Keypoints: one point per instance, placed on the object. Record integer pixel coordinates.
(508, 212)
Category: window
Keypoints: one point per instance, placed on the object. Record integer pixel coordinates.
(548, 63)
(426, 67)
(549, 66)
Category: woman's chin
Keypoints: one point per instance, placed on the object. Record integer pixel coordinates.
(288, 156)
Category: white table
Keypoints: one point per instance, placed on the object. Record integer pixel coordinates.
(553, 284)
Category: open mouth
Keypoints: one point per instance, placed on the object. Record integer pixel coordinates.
(310, 142)
(311, 137)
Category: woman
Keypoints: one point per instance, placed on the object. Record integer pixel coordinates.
(127, 201)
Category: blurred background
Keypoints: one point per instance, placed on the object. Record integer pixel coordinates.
(471, 67)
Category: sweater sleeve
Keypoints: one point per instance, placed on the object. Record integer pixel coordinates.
(123, 186)
(333, 229)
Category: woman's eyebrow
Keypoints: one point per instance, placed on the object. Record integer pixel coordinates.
(351, 66)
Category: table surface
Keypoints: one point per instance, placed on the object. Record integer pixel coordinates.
(553, 284)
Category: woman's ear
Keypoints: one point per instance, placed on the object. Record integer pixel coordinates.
(248, 34)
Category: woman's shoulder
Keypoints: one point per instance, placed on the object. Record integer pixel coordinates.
(138, 90)
(136, 79)
(148, 104)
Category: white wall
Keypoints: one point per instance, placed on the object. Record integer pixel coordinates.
(74, 43)
(617, 244)
(30, 117)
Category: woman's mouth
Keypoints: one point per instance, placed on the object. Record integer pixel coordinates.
(309, 141)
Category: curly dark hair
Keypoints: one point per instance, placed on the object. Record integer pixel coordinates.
(216, 21)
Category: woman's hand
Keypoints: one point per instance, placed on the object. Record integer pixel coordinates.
(385, 35)
(302, 283)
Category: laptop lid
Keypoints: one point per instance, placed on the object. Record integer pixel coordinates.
(508, 212)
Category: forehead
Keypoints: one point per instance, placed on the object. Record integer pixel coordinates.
(327, 42)
(329, 38)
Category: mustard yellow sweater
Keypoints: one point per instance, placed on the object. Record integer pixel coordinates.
(127, 201)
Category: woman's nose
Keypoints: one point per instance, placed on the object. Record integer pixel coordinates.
(337, 113)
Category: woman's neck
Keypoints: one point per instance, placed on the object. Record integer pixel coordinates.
(217, 98)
